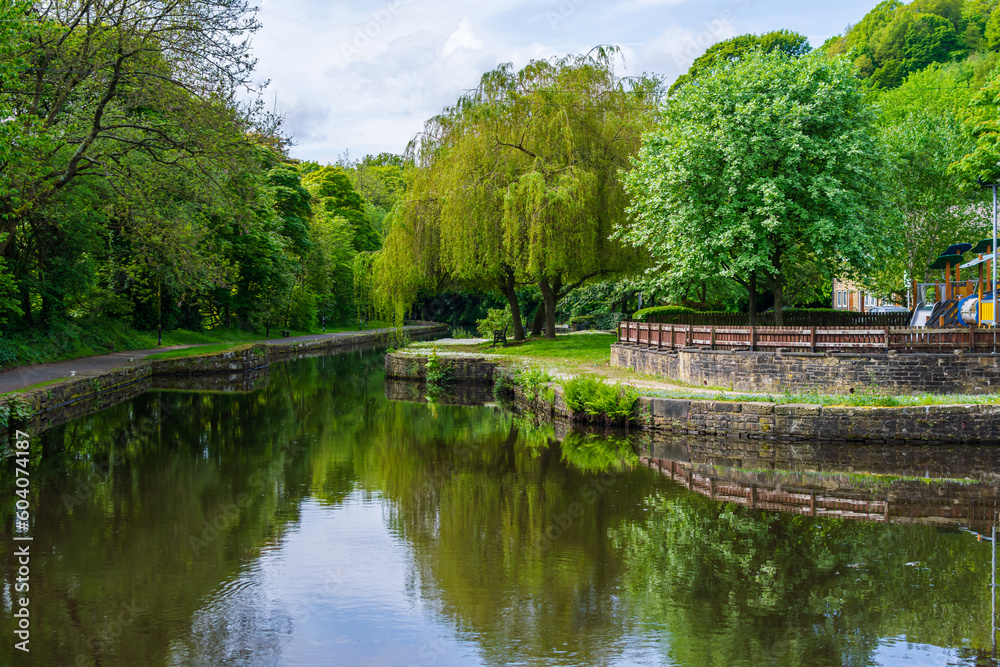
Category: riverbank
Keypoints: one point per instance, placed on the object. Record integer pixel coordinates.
(702, 414)
(111, 379)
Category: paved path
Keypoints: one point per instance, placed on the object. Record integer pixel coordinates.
(25, 376)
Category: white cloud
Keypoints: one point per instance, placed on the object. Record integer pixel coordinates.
(363, 76)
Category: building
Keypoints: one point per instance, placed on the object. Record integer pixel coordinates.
(848, 296)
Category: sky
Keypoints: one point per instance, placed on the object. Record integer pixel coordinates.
(353, 77)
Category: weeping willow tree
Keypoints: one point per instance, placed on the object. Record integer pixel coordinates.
(521, 183)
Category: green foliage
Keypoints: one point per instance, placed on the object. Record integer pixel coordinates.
(520, 182)
(437, 375)
(594, 453)
(534, 383)
(657, 311)
(460, 333)
(741, 181)
(594, 399)
(496, 320)
(735, 48)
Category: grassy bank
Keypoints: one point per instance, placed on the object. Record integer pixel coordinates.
(72, 340)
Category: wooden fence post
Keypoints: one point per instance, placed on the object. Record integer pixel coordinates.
(690, 335)
(671, 337)
(659, 335)
(887, 340)
(713, 338)
(753, 339)
(812, 339)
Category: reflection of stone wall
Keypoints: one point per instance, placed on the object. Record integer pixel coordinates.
(845, 495)
(411, 391)
(822, 373)
(242, 382)
(829, 458)
(238, 370)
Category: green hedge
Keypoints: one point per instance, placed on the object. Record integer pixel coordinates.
(659, 311)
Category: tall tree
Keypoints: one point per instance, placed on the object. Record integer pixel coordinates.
(523, 176)
(766, 160)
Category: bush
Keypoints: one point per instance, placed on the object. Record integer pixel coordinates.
(496, 319)
(662, 310)
(600, 401)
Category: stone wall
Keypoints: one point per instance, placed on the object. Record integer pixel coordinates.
(821, 373)
(931, 424)
(402, 366)
(43, 407)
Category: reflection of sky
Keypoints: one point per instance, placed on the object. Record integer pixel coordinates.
(333, 593)
(340, 589)
(897, 651)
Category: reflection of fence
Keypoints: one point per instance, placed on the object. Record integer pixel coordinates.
(807, 339)
(792, 318)
(975, 512)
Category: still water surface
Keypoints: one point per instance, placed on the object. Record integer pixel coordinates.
(315, 522)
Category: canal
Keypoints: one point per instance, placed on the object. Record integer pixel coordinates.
(313, 521)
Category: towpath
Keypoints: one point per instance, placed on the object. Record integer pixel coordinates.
(21, 377)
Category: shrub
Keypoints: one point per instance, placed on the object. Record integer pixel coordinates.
(600, 401)
(495, 320)
(662, 310)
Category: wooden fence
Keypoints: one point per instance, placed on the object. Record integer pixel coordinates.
(791, 318)
(808, 339)
(977, 513)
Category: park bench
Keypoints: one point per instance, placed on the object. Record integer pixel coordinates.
(500, 336)
(285, 333)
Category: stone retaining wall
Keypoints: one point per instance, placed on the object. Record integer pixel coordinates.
(932, 424)
(401, 366)
(832, 373)
(43, 407)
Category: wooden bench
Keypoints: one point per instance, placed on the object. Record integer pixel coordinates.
(500, 336)
(285, 333)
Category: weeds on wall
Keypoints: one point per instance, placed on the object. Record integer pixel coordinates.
(437, 375)
(594, 400)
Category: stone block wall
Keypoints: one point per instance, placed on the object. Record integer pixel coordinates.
(772, 372)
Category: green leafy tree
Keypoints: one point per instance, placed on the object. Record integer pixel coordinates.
(521, 180)
(926, 134)
(335, 194)
(735, 48)
(767, 160)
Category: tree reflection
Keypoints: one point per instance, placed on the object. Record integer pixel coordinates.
(734, 586)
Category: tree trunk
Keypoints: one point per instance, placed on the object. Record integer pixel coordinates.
(776, 289)
(549, 299)
(515, 308)
(752, 289)
(539, 321)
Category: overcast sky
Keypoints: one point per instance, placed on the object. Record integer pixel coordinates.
(363, 75)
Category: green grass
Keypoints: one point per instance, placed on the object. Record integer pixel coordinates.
(198, 351)
(580, 348)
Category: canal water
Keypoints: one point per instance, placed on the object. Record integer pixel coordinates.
(313, 521)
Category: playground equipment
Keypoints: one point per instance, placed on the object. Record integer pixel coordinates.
(954, 302)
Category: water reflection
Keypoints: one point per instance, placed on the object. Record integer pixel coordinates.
(311, 520)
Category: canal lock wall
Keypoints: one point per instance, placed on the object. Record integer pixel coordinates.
(734, 422)
(241, 369)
